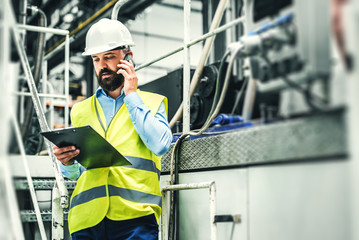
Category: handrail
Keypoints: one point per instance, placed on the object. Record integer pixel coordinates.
(212, 203)
(37, 104)
(186, 66)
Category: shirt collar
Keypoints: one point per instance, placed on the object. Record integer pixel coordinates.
(102, 92)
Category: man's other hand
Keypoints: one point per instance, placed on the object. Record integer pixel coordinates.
(66, 154)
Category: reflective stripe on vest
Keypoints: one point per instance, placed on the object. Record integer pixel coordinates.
(135, 196)
(143, 164)
(128, 194)
(88, 195)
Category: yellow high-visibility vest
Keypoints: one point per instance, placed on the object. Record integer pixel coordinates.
(118, 193)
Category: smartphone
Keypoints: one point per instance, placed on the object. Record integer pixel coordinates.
(128, 58)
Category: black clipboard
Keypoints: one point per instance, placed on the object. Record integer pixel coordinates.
(95, 151)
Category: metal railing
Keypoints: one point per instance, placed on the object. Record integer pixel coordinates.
(61, 196)
(212, 204)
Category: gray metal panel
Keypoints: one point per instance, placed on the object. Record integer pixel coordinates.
(304, 138)
(302, 201)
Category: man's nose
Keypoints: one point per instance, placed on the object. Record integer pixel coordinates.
(103, 64)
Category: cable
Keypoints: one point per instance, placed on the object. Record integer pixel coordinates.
(218, 81)
(239, 95)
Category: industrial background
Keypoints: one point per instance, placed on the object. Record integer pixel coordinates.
(263, 106)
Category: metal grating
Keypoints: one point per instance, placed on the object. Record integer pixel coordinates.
(304, 138)
(42, 184)
(30, 215)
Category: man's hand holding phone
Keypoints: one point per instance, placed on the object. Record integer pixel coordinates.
(127, 69)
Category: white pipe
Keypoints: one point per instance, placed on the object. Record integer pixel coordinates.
(57, 215)
(116, 8)
(22, 106)
(67, 79)
(51, 107)
(193, 42)
(44, 82)
(42, 29)
(186, 66)
(212, 202)
(44, 95)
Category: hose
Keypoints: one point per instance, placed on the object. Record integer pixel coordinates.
(207, 46)
(219, 77)
(39, 55)
(239, 95)
(176, 148)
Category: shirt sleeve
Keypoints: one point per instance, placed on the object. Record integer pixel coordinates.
(73, 171)
(153, 130)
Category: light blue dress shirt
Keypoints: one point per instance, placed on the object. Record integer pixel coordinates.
(153, 130)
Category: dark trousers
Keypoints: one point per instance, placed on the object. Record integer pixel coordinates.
(143, 228)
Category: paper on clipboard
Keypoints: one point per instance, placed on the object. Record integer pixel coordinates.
(95, 151)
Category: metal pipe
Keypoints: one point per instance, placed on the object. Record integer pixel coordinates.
(67, 79)
(57, 215)
(249, 99)
(193, 42)
(116, 8)
(51, 108)
(186, 66)
(42, 29)
(212, 201)
(23, 19)
(44, 95)
(44, 83)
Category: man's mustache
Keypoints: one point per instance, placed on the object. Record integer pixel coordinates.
(106, 71)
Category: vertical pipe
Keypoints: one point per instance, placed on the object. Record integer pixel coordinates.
(57, 215)
(44, 82)
(249, 99)
(67, 76)
(210, 20)
(186, 67)
(251, 88)
(164, 216)
(212, 205)
(23, 18)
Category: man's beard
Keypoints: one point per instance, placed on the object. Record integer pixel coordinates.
(110, 83)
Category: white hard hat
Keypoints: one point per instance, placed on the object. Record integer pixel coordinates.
(105, 35)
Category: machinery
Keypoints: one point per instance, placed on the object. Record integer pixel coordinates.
(267, 146)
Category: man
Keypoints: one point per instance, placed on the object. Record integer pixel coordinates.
(117, 202)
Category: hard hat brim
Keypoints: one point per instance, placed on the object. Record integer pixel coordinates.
(89, 52)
